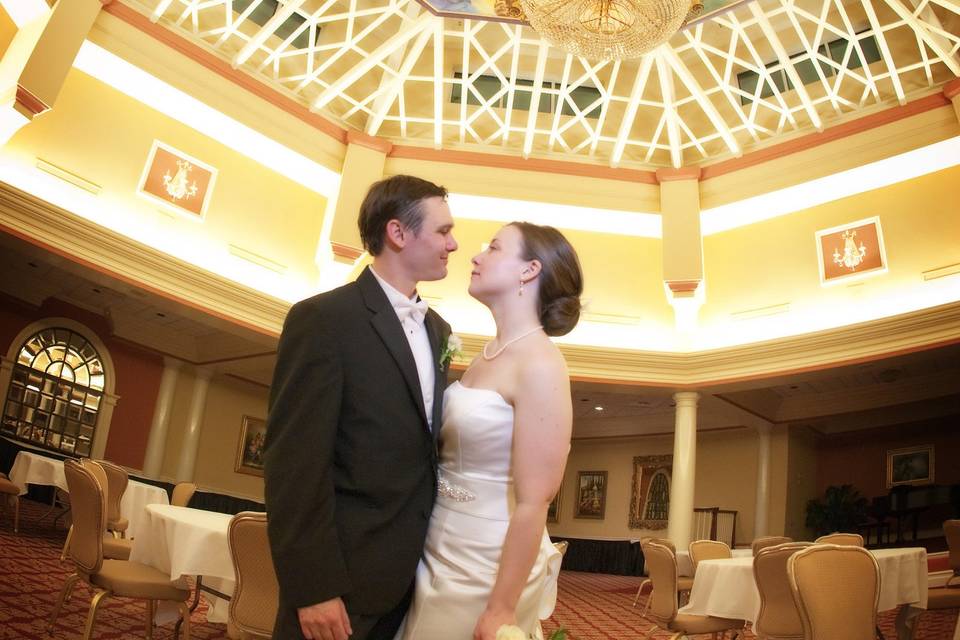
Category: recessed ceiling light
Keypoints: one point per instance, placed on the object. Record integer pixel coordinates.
(96, 290)
(161, 315)
(598, 408)
(33, 264)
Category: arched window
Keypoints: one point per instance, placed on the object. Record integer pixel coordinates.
(56, 392)
(658, 497)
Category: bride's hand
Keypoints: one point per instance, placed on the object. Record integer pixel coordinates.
(491, 621)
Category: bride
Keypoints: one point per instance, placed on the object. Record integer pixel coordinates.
(503, 445)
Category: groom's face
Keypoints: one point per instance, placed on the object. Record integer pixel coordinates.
(425, 253)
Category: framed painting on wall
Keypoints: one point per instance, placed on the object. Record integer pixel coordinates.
(851, 251)
(253, 432)
(176, 181)
(591, 494)
(650, 492)
(553, 511)
(910, 466)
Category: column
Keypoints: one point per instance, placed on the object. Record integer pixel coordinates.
(340, 247)
(682, 243)
(761, 515)
(160, 425)
(38, 59)
(951, 92)
(680, 524)
(191, 439)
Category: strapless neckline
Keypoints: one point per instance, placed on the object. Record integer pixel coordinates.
(492, 392)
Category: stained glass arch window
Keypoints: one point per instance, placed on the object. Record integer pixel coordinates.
(56, 392)
(657, 505)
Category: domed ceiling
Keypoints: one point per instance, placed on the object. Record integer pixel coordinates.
(742, 76)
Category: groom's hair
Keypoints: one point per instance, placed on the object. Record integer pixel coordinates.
(397, 198)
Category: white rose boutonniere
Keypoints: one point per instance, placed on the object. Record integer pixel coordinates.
(452, 348)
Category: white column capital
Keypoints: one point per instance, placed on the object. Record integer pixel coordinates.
(172, 363)
(203, 373)
(686, 398)
(763, 428)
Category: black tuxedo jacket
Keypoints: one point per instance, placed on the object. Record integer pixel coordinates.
(350, 461)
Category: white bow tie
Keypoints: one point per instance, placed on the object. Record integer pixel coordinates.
(407, 308)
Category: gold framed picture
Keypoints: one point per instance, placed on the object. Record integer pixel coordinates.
(910, 466)
(591, 495)
(253, 433)
(851, 252)
(553, 511)
(176, 181)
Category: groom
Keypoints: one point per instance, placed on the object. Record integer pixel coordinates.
(355, 406)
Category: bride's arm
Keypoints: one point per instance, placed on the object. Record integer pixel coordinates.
(541, 442)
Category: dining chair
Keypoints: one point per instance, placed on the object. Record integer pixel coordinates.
(121, 578)
(113, 548)
(836, 589)
(778, 618)
(684, 583)
(850, 539)
(768, 541)
(662, 563)
(182, 493)
(253, 607)
(708, 550)
(11, 495)
(117, 481)
(951, 530)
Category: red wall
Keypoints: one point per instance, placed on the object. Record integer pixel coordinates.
(137, 374)
(860, 457)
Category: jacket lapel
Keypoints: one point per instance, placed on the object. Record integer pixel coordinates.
(387, 326)
(435, 334)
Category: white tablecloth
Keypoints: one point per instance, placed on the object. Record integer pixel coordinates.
(685, 566)
(32, 468)
(726, 588)
(188, 542)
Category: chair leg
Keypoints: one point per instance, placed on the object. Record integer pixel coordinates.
(151, 610)
(92, 616)
(639, 590)
(185, 616)
(67, 587)
(16, 513)
(66, 544)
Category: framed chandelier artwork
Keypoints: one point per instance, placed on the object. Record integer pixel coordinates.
(176, 181)
(851, 251)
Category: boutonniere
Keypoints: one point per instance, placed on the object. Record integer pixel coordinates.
(452, 348)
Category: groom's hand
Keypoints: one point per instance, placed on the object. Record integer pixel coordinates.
(325, 621)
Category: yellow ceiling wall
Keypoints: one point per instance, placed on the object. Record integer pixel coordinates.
(105, 137)
(774, 262)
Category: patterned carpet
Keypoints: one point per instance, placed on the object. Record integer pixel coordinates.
(590, 606)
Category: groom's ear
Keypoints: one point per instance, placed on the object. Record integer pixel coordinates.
(395, 234)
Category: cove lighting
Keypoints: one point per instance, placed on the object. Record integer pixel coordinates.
(157, 94)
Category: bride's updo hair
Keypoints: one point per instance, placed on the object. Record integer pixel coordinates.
(561, 279)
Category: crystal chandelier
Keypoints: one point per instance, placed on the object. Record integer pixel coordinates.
(608, 29)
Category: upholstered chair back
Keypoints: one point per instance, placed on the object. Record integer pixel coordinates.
(88, 508)
(708, 550)
(836, 589)
(768, 541)
(778, 618)
(849, 539)
(117, 480)
(661, 563)
(253, 607)
(182, 493)
(951, 529)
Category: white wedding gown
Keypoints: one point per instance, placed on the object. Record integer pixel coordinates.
(469, 523)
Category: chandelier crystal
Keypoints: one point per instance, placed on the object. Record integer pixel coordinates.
(608, 29)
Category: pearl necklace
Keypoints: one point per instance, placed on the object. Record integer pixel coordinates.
(507, 343)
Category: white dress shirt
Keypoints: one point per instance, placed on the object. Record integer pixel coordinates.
(416, 333)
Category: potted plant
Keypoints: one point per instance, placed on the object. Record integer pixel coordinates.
(841, 509)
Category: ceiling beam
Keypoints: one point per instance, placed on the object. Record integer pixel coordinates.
(669, 107)
(282, 14)
(160, 9)
(787, 65)
(708, 107)
(885, 51)
(922, 25)
(387, 98)
(438, 92)
(535, 98)
(373, 59)
(626, 124)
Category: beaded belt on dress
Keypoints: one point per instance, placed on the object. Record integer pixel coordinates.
(482, 497)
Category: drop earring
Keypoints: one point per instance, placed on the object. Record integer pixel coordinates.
(521, 287)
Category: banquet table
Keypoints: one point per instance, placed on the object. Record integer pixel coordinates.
(32, 468)
(185, 542)
(727, 589)
(685, 566)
